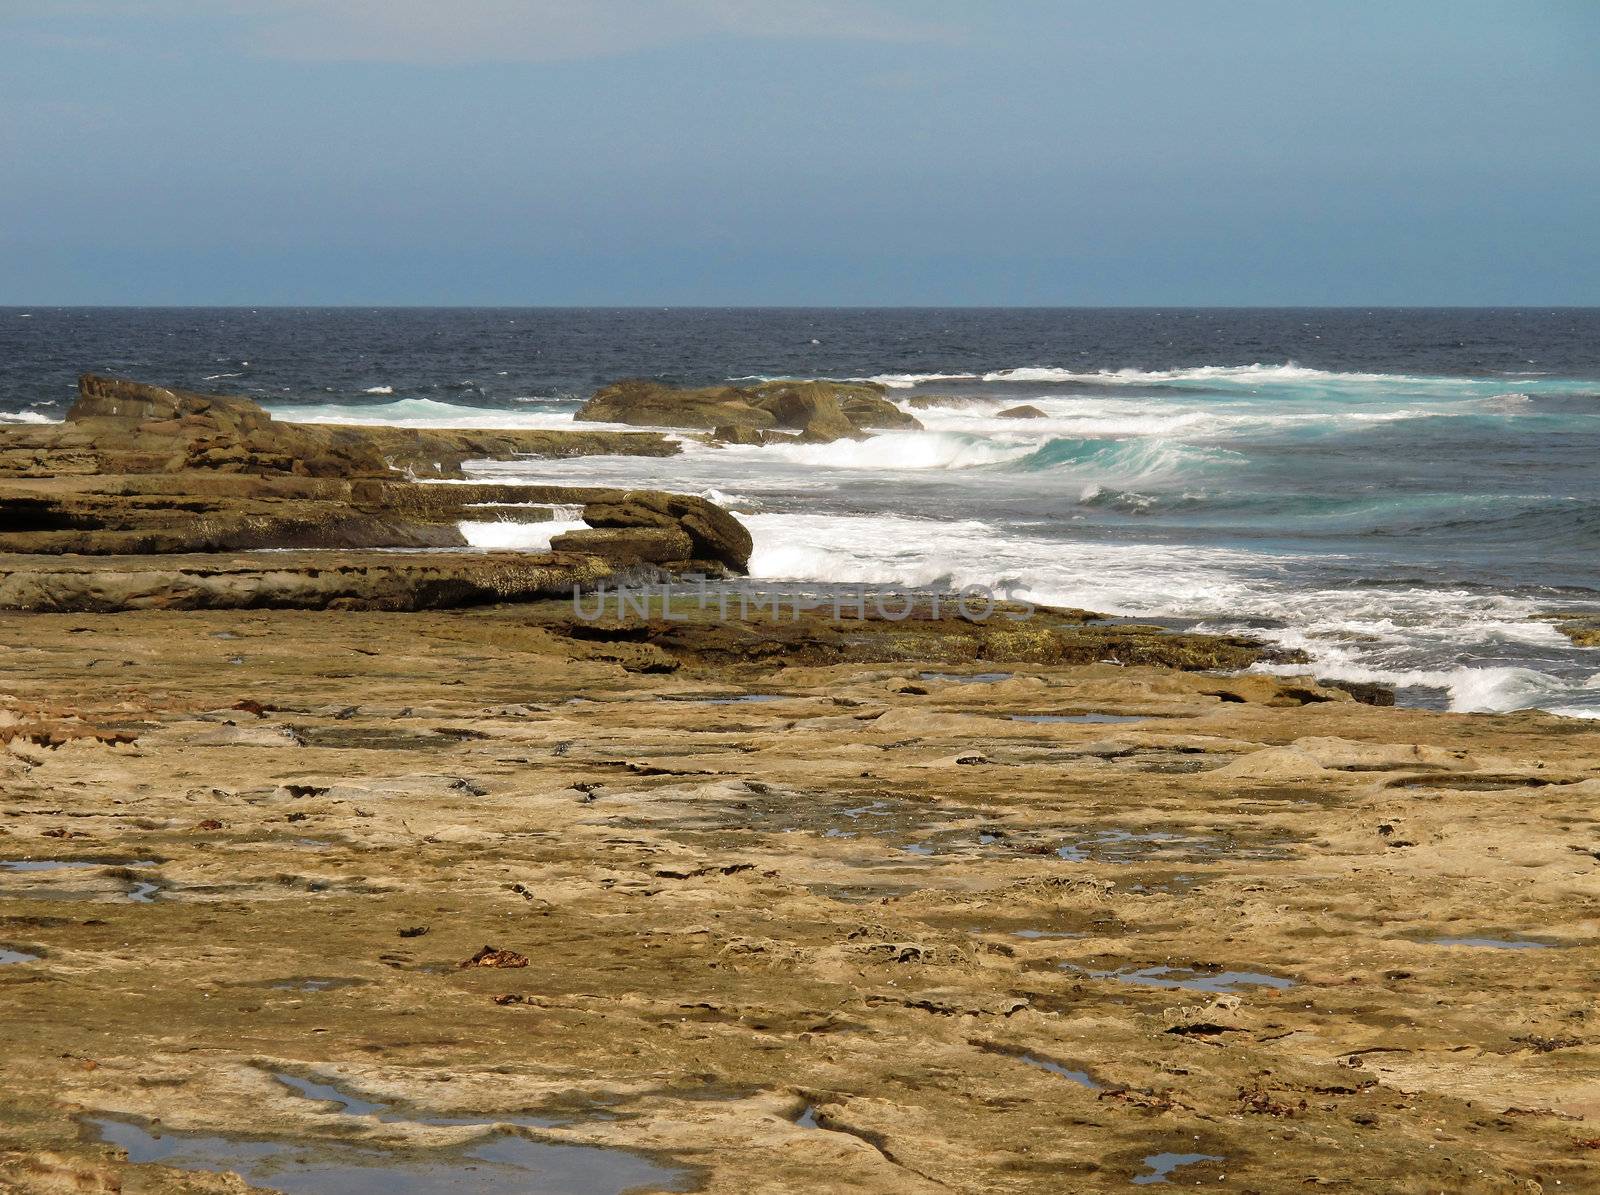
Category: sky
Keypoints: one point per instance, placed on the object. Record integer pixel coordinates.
(800, 152)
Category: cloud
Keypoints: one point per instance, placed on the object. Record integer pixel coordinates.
(436, 31)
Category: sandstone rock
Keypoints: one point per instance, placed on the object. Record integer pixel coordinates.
(731, 434)
(134, 425)
(305, 581)
(716, 535)
(1581, 626)
(123, 427)
(629, 545)
(1366, 692)
(643, 402)
(815, 637)
(817, 413)
(140, 480)
(1022, 412)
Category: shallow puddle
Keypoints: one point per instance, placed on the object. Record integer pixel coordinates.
(1194, 979)
(1162, 1166)
(1469, 782)
(1123, 846)
(861, 894)
(1116, 845)
(1492, 943)
(351, 1104)
(7, 955)
(315, 984)
(1046, 933)
(1081, 1078)
(503, 1164)
(730, 699)
(22, 865)
(1177, 884)
(375, 738)
(139, 891)
(967, 678)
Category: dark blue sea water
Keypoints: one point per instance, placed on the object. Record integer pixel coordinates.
(1398, 492)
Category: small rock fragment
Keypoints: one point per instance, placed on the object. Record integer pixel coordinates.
(490, 956)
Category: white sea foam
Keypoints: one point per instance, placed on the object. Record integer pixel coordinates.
(1507, 403)
(378, 390)
(901, 450)
(1255, 373)
(25, 417)
(905, 381)
(521, 537)
(426, 412)
(894, 381)
(1380, 634)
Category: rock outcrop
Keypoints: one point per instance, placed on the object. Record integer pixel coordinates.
(141, 480)
(716, 535)
(122, 427)
(1581, 626)
(819, 410)
(1023, 412)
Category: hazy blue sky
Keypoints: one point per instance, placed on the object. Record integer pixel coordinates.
(800, 151)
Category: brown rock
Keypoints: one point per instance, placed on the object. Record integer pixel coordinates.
(1022, 412)
(489, 956)
(732, 434)
(641, 402)
(817, 413)
(629, 545)
(770, 404)
(304, 581)
(716, 534)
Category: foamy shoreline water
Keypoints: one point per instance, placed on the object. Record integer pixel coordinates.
(1060, 509)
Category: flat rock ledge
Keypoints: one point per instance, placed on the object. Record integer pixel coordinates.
(297, 580)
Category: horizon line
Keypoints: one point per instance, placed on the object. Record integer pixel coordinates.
(24, 307)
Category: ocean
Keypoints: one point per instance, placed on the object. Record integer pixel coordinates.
(1396, 492)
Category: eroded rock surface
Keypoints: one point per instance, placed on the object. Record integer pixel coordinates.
(853, 926)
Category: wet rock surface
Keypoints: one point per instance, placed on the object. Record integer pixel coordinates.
(1582, 627)
(703, 952)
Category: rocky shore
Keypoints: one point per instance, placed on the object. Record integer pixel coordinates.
(344, 868)
(126, 503)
